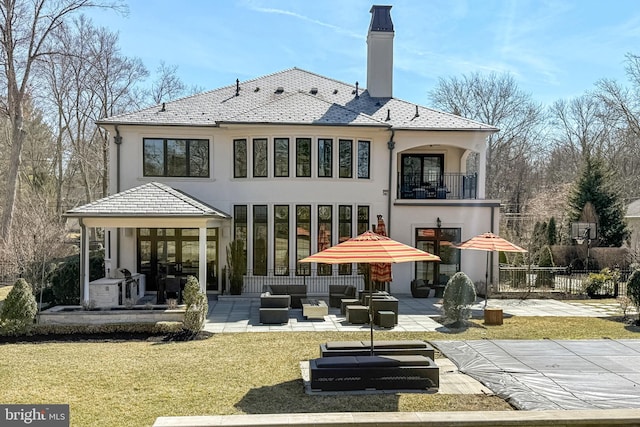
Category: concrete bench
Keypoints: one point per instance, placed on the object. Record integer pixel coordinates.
(374, 372)
(363, 348)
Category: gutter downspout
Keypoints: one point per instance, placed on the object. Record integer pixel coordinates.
(117, 139)
(390, 145)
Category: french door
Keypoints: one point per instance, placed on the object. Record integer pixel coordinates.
(175, 252)
(438, 241)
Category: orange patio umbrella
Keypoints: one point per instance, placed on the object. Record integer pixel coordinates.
(369, 248)
(489, 242)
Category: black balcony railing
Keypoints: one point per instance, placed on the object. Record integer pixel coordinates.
(454, 186)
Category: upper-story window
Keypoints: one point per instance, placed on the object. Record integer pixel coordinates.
(325, 158)
(239, 158)
(260, 155)
(175, 157)
(281, 157)
(303, 157)
(345, 158)
(364, 154)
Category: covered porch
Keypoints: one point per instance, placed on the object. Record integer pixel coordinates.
(151, 214)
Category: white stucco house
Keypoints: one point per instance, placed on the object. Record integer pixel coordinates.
(290, 163)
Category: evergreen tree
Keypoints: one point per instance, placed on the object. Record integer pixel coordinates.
(595, 186)
(551, 232)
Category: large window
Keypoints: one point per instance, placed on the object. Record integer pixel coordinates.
(303, 239)
(176, 157)
(346, 158)
(324, 236)
(363, 225)
(303, 157)
(260, 239)
(325, 158)
(240, 227)
(364, 153)
(422, 172)
(344, 232)
(281, 240)
(260, 155)
(281, 157)
(239, 158)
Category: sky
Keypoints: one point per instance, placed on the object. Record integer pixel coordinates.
(554, 49)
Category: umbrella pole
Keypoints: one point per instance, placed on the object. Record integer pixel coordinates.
(370, 309)
(486, 282)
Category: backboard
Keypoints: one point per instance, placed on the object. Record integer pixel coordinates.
(584, 230)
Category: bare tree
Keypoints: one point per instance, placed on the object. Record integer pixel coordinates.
(88, 81)
(25, 28)
(496, 100)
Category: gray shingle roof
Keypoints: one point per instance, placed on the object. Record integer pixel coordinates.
(305, 98)
(152, 199)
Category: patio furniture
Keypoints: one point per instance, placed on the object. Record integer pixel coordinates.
(420, 288)
(357, 314)
(274, 308)
(173, 288)
(348, 301)
(339, 292)
(387, 347)
(400, 372)
(388, 303)
(386, 319)
(296, 292)
(314, 308)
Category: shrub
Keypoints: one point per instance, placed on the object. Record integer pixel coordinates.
(65, 278)
(459, 294)
(197, 306)
(633, 290)
(597, 282)
(19, 309)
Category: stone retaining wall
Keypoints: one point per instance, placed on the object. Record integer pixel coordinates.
(56, 316)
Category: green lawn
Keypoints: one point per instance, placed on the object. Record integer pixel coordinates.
(133, 382)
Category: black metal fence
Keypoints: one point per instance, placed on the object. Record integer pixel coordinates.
(557, 280)
(437, 186)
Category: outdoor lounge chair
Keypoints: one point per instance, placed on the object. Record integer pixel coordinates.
(374, 372)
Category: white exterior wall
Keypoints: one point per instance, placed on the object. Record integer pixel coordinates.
(223, 191)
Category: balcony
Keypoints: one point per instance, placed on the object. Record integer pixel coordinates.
(452, 186)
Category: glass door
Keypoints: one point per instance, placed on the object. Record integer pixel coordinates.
(438, 241)
(175, 252)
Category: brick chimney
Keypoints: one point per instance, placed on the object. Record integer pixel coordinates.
(380, 53)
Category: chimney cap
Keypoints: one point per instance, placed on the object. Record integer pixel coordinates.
(381, 19)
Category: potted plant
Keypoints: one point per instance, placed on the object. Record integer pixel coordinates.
(236, 264)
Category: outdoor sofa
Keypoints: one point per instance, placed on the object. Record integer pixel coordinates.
(401, 372)
(380, 348)
(339, 292)
(296, 292)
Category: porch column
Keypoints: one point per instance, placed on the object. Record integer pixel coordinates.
(482, 174)
(202, 253)
(84, 263)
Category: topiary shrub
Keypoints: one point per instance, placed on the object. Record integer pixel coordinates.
(197, 306)
(633, 291)
(459, 294)
(19, 309)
